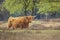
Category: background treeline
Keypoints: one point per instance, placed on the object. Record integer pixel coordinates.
(42, 9)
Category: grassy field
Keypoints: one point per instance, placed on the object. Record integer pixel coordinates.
(39, 30)
(29, 34)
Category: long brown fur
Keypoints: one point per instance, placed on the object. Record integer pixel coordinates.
(22, 22)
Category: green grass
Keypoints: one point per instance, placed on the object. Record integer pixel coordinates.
(33, 31)
(29, 34)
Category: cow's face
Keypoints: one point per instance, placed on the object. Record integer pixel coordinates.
(29, 18)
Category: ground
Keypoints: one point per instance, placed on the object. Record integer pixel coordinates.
(39, 30)
(30, 35)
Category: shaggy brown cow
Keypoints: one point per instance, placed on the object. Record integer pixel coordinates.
(18, 22)
(22, 22)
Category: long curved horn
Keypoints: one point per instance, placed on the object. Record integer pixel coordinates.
(34, 16)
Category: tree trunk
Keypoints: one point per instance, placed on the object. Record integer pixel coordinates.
(46, 17)
(33, 8)
(32, 11)
(25, 12)
(25, 9)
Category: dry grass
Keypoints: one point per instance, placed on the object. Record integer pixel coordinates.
(50, 24)
(30, 35)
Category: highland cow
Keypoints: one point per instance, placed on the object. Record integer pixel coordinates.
(22, 22)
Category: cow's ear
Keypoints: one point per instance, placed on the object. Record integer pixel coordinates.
(26, 17)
